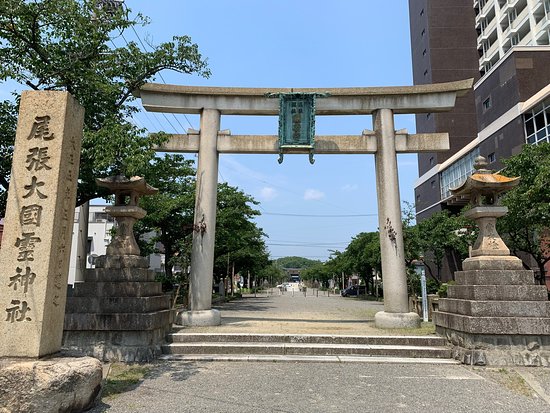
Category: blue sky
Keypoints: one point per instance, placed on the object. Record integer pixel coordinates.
(290, 43)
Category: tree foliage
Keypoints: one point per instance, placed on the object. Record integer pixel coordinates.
(239, 241)
(170, 211)
(170, 219)
(70, 45)
(440, 235)
(526, 227)
(296, 262)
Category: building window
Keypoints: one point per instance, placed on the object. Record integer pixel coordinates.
(486, 103)
(456, 174)
(537, 124)
(491, 158)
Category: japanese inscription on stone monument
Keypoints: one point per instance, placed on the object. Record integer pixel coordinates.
(38, 224)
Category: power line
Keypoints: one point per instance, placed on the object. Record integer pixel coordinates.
(320, 215)
(164, 81)
(305, 246)
(163, 114)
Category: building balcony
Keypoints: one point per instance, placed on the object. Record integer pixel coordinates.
(506, 6)
(520, 20)
(543, 37)
(542, 24)
(488, 31)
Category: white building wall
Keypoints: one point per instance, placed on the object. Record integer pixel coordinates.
(99, 236)
(503, 24)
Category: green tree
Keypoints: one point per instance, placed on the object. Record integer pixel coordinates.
(169, 212)
(273, 273)
(8, 121)
(363, 256)
(526, 227)
(296, 262)
(440, 235)
(68, 45)
(239, 241)
(319, 272)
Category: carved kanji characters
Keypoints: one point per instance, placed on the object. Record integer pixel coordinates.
(26, 244)
(23, 279)
(33, 187)
(37, 159)
(18, 312)
(41, 129)
(30, 215)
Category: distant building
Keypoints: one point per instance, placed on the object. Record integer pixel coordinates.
(99, 236)
(293, 274)
(504, 46)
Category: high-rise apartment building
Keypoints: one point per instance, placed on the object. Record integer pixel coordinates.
(503, 45)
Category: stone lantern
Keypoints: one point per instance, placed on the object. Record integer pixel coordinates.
(126, 211)
(494, 314)
(482, 189)
(119, 312)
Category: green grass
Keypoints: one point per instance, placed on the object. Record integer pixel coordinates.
(123, 377)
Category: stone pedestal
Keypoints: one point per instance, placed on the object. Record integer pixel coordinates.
(496, 315)
(119, 312)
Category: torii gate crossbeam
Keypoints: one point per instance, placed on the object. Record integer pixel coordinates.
(384, 142)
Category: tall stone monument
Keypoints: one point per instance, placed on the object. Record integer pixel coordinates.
(495, 314)
(119, 312)
(34, 259)
(39, 219)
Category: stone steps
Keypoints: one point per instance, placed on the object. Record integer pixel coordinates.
(330, 348)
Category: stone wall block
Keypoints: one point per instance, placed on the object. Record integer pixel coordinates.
(118, 321)
(499, 293)
(114, 304)
(119, 274)
(117, 289)
(495, 277)
(496, 308)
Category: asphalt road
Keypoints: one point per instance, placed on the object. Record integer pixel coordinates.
(315, 387)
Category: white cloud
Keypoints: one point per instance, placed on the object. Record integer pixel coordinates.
(313, 195)
(350, 187)
(268, 193)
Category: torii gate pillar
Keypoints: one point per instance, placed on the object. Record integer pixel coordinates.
(396, 303)
(200, 311)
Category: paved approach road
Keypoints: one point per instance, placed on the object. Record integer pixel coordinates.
(325, 387)
(322, 387)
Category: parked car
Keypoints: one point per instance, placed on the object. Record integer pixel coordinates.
(353, 291)
(350, 291)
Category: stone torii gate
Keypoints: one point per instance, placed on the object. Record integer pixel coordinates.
(384, 142)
